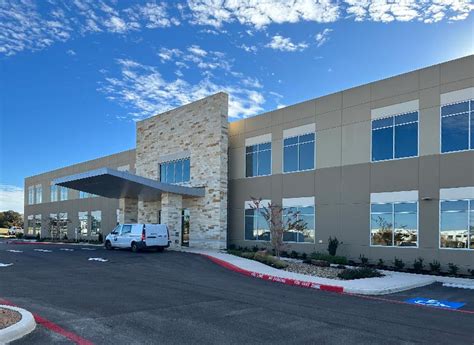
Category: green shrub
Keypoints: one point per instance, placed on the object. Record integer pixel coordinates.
(270, 260)
(38, 237)
(304, 256)
(247, 255)
(453, 268)
(19, 235)
(398, 263)
(381, 264)
(255, 249)
(359, 273)
(234, 252)
(435, 266)
(418, 265)
(333, 243)
(284, 254)
(363, 260)
(294, 254)
(338, 260)
(231, 246)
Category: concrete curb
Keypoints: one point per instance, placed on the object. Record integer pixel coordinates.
(287, 281)
(26, 325)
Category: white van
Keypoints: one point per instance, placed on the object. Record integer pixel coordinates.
(138, 236)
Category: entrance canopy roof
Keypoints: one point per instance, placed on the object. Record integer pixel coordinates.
(112, 183)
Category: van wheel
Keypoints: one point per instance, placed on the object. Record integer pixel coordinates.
(108, 245)
(134, 247)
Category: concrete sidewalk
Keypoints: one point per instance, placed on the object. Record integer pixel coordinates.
(390, 283)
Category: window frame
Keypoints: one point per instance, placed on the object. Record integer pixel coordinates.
(245, 216)
(393, 224)
(271, 159)
(165, 163)
(314, 222)
(469, 134)
(393, 136)
(469, 201)
(298, 155)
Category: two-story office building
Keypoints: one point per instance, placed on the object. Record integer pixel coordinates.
(387, 168)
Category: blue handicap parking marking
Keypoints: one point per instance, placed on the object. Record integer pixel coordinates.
(430, 302)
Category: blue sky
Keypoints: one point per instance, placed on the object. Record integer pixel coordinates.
(76, 75)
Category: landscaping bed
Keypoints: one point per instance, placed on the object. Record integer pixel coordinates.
(318, 265)
(8, 317)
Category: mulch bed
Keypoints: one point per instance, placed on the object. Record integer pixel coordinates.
(8, 317)
(324, 272)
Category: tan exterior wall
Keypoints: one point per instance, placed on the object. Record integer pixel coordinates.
(345, 176)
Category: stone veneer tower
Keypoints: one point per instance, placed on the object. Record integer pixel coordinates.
(199, 131)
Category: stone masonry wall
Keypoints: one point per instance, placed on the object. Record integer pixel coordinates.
(200, 129)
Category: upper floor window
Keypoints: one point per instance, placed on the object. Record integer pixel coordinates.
(31, 195)
(176, 171)
(62, 193)
(299, 209)
(39, 194)
(457, 224)
(54, 193)
(258, 160)
(395, 137)
(457, 126)
(299, 152)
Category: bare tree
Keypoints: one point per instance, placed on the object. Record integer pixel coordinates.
(273, 215)
(54, 225)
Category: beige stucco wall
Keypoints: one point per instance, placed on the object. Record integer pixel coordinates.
(200, 131)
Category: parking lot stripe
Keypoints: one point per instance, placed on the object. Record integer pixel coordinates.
(54, 327)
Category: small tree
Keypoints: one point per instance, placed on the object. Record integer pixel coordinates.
(273, 215)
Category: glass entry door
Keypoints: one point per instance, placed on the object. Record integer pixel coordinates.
(185, 215)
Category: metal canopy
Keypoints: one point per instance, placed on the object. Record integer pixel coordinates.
(112, 183)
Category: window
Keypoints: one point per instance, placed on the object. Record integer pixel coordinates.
(54, 192)
(298, 152)
(96, 222)
(304, 209)
(258, 160)
(39, 194)
(83, 223)
(395, 137)
(62, 193)
(177, 171)
(457, 127)
(83, 195)
(457, 224)
(394, 224)
(126, 229)
(63, 221)
(256, 227)
(30, 225)
(31, 195)
(37, 229)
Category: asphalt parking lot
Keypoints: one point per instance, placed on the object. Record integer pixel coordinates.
(181, 298)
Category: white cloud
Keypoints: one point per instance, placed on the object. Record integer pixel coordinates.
(31, 26)
(284, 44)
(70, 52)
(249, 49)
(196, 50)
(143, 90)
(427, 11)
(11, 198)
(168, 54)
(322, 37)
(260, 13)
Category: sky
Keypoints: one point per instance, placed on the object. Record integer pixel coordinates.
(76, 75)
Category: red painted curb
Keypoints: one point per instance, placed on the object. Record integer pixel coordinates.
(54, 327)
(287, 281)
